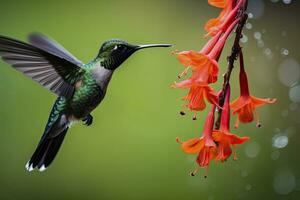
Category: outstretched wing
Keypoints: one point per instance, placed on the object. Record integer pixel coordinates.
(41, 41)
(52, 71)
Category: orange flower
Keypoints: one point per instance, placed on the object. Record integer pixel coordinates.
(226, 17)
(223, 137)
(204, 64)
(245, 106)
(204, 68)
(197, 95)
(204, 146)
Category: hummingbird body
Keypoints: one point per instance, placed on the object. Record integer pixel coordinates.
(80, 87)
(90, 91)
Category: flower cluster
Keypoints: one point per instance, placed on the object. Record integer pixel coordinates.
(217, 142)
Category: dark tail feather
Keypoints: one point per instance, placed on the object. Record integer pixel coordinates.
(47, 148)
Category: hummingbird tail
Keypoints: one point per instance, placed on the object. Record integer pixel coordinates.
(49, 145)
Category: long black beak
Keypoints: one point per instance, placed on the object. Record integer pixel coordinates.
(152, 45)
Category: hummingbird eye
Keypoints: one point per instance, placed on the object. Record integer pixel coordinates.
(116, 47)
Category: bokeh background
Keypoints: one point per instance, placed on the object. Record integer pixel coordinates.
(130, 151)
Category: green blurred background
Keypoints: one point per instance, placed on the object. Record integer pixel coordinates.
(130, 151)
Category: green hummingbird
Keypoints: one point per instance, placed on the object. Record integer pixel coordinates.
(80, 87)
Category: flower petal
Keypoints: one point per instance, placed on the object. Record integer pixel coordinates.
(192, 146)
(239, 103)
(218, 3)
(259, 102)
(205, 156)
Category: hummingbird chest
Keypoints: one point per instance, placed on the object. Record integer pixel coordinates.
(87, 97)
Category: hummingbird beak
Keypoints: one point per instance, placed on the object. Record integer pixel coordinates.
(152, 45)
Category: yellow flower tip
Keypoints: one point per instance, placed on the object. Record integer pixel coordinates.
(235, 157)
(195, 117)
(258, 125)
(206, 35)
(272, 100)
(182, 113)
(206, 172)
(178, 140)
(175, 52)
(173, 86)
(193, 173)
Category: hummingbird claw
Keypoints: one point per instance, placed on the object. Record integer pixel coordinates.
(88, 120)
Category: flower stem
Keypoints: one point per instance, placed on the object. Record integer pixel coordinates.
(235, 51)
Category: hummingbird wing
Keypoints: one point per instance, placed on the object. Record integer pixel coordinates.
(52, 71)
(49, 45)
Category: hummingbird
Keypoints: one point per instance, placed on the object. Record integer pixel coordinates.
(79, 87)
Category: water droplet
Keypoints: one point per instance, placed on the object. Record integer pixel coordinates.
(293, 106)
(260, 43)
(252, 149)
(248, 25)
(268, 53)
(284, 182)
(277, 130)
(275, 155)
(289, 72)
(280, 141)
(244, 173)
(290, 131)
(244, 39)
(248, 187)
(257, 8)
(284, 52)
(294, 94)
(257, 35)
(285, 113)
(287, 1)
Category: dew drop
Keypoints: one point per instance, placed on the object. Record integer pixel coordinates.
(294, 94)
(244, 173)
(284, 182)
(287, 1)
(248, 187)
(257, 8)
(289, 72)
(283, 33)
(248, 26)
(244, 39)
(268, 52)
(284, 52)
(275, 155)
(260, 43)
(293, 106)
(290, 131)
(285, 113)
(280, 141)
(252, 149)
(257, 35)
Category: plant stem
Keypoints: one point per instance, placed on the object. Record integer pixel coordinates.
(235, 51)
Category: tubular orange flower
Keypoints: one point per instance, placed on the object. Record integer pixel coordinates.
(197, 95)
(226, 17)
(223, 137)
(204, 64)
(245, 106)
(204, 146)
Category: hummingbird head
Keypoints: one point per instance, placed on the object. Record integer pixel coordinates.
(115, 51)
